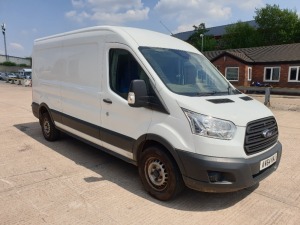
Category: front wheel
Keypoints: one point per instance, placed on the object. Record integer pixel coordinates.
(159, 174)
(48, 128)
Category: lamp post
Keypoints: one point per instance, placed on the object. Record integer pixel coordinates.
(201, 36)
(3, 32)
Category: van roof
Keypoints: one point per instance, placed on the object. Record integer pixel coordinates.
(139, 37)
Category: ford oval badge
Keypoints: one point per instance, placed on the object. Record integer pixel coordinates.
(267, 133)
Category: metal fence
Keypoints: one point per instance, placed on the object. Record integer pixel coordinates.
(267, 91)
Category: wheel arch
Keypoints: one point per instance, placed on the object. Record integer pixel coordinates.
(152, 139)
(43, 108)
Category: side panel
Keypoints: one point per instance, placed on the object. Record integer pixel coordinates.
(47, 67)
(81, 79)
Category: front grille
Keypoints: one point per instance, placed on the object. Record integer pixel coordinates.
(260, 135)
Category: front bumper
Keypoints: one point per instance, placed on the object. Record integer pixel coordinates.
(233, 173)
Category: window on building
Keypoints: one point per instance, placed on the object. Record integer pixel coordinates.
(249, 73)
(232, 73)
(294, 74)
(272, 74)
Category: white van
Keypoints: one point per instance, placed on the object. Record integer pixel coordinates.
(156, 102)
(25, 73)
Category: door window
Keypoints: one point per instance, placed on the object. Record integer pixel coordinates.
(123, 68)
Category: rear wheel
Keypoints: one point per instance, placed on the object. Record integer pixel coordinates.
(48, 128)
(159, 174)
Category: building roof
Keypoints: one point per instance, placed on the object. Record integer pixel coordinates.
(265, 54)
(214, 31)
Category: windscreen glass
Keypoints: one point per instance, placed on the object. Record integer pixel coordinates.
(187, 73)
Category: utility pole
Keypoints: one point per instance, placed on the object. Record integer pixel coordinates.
(3, 32)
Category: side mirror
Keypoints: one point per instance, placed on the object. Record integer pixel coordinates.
(137, 96)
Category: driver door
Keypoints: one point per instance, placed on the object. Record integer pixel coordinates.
(122, 125)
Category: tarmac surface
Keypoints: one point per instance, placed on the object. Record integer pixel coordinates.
(69, 182)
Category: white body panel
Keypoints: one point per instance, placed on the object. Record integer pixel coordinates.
(70, 75)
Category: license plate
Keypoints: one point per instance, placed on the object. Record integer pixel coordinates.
(268, 162)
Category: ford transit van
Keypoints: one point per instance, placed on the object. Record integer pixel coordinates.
(156, 102)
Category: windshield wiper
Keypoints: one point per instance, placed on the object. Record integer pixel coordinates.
(232, 91)
(197, 94)
(209, 93)
(228, 89)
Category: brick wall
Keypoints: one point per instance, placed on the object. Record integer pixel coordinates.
(227, 61)
(257, 72)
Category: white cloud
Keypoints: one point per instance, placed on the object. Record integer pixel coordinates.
(193, 12)
(110, 12)
(78, 3)
(28, 32)
(250, 5)
(16, 46)
(78, 17)
(243, 5)
(119, 18)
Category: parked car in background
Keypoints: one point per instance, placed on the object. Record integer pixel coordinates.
(19, 75)
(2, 75)
(12, 75)
(9, 76)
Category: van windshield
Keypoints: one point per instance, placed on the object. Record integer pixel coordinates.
(187, 73)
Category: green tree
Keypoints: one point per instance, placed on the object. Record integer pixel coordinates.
(297, 33)
(275, 25)
(240, 35)
(209, 42)
(8, 63)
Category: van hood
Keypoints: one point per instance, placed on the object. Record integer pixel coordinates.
(239, 109)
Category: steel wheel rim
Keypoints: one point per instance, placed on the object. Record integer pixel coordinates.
(156, 174)
(46, 127)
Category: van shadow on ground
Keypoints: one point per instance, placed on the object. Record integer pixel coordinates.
(126, 175)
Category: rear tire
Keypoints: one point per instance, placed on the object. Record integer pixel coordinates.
(48, 128)
(159, 174)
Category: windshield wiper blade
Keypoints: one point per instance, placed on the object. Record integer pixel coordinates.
(209, 93)
(204, 93)
(221, 92)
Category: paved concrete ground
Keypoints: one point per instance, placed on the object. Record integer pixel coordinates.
(68, 182)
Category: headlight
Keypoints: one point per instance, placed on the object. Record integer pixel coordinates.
(210, 127)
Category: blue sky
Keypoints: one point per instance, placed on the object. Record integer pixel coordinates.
(27, 20)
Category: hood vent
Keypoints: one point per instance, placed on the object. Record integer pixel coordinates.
(220, 100)
(246, 98)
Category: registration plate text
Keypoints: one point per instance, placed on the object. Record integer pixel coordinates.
(268, 162)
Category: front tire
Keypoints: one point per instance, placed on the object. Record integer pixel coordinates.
(159, 174)
(48, 128)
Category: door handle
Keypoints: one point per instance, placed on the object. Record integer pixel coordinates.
(107, 100)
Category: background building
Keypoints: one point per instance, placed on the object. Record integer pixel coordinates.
(277, 65)
(16, 60)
